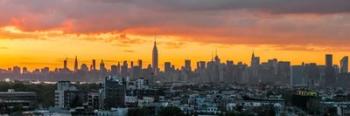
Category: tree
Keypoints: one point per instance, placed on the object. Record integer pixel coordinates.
(171, 111)
(139, 112)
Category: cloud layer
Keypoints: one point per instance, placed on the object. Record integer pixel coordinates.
(300, 22)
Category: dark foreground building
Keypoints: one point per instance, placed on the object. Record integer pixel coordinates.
(113, 93)
(12, 101)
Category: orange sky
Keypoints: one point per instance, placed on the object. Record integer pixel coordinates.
(55, 46)
(39, 33)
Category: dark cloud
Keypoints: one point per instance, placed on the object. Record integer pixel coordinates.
(212, 21)
(272, 6)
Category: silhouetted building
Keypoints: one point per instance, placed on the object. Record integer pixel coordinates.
(201, 65)
(76, 68)
(254, 64)
(103, 68)
(313, 74)
(167, 67)
(298, 76)
(93, 65)
(344, 63)
(329, 60)
(84, 68)
(124, 69)
(255, 61)
(140, 64)
(283, 72)
(188, 65)
(330, 74)
(155, 59)
(65, 67)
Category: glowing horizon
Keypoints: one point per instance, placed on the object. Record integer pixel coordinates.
(50, 52)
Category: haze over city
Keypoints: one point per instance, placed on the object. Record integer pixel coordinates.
(174, 57)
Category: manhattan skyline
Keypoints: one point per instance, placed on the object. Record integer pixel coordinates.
(175, 57)
(178, 63)
(74, 64)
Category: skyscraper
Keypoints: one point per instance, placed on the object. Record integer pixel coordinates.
(188, 65)
(140, 63)
(155, 59)
(102, 66)
(201, 65)
(124, 69)
(93, 66)
(254, 64)
(76, 64)
(329, 60)
(255, 61)
(330, 78)
(65, 64)
(344, 63)
(167, 67)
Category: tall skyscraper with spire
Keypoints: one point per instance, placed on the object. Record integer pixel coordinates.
(255, 61)
(155, 59)
(254, 64)
(76, 64)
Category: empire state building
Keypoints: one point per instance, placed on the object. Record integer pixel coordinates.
(155, 59)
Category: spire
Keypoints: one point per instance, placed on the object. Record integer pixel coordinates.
(155, 42)
(76, 64)
(216, 58)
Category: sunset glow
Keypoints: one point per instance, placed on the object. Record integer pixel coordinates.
(41, 33)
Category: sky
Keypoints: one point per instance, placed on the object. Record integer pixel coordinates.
(39, 33)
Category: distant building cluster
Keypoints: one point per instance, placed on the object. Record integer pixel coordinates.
(214, 71)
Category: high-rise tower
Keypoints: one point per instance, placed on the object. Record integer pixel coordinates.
(65, 67)
(93, 65)
(155, 59)
(255, 61)
(76, 64)
(344, 63)
(254, 64)
(330, 75)
(329, 60)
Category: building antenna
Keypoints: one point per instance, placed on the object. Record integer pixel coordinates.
(155, 37)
